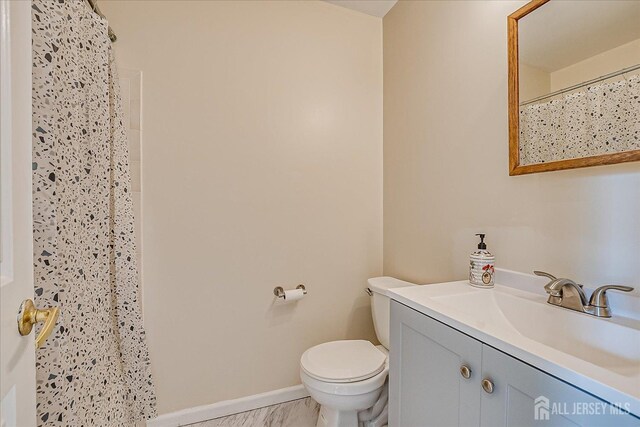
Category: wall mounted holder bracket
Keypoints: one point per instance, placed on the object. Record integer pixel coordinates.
(278, 291)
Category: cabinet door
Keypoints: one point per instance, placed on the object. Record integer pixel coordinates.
(426, 387)
(525, 396)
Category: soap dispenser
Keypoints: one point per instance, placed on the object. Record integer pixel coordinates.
(481, 266)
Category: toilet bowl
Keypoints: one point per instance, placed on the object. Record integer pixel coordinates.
(348, 377)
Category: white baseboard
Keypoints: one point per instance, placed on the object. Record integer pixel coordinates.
(229, 407)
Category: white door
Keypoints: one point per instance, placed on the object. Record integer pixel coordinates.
(17, 362)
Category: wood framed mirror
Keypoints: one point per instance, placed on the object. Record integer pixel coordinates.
(574, 84)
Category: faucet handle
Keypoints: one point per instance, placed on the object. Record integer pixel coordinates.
(599, 296)
(543, 274)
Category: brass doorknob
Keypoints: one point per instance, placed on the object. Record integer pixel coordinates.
(465, 371)
(487, 385)
(29, 315)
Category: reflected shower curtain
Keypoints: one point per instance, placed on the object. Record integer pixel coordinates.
(94, 370)
(603, 118)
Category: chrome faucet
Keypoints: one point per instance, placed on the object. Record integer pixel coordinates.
(568, 294)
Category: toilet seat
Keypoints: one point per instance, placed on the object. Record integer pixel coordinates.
(345, 389)
(343, 361)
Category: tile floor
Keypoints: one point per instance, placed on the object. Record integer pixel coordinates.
(297, 413)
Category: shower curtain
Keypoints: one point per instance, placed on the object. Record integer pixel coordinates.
(94, 370)
(603, 118)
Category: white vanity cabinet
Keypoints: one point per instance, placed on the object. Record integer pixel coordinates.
(428, 385)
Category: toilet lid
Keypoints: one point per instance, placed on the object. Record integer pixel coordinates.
(343, 361)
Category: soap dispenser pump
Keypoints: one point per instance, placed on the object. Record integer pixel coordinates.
(481, 266)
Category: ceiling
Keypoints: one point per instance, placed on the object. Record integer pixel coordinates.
(377, 8)
(561, 33)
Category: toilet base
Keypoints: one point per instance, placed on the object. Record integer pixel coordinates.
(333, 418)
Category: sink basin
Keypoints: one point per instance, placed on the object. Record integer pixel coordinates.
(601, 356)
(602, 342)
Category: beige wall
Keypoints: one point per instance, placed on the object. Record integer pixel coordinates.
(607, 62)
(446, 162)
(536, 82)
(262, 167)
(533, 82)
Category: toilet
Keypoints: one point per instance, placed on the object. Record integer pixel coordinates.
(348, 377)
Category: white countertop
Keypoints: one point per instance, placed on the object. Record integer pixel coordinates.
(600, 356)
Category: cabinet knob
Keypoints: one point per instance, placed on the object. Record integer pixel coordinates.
(465, 371)
(487, 385)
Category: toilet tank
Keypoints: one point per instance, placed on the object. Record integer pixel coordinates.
(381, 304)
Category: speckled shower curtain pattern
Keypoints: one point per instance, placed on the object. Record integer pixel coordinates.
(95, 369)
(603, 118)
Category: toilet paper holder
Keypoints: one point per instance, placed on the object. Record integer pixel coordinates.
(278, 291)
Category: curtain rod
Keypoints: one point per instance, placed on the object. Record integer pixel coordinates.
(96, 9)
(579, 85)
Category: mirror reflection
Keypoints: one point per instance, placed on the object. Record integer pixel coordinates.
(579, 80)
